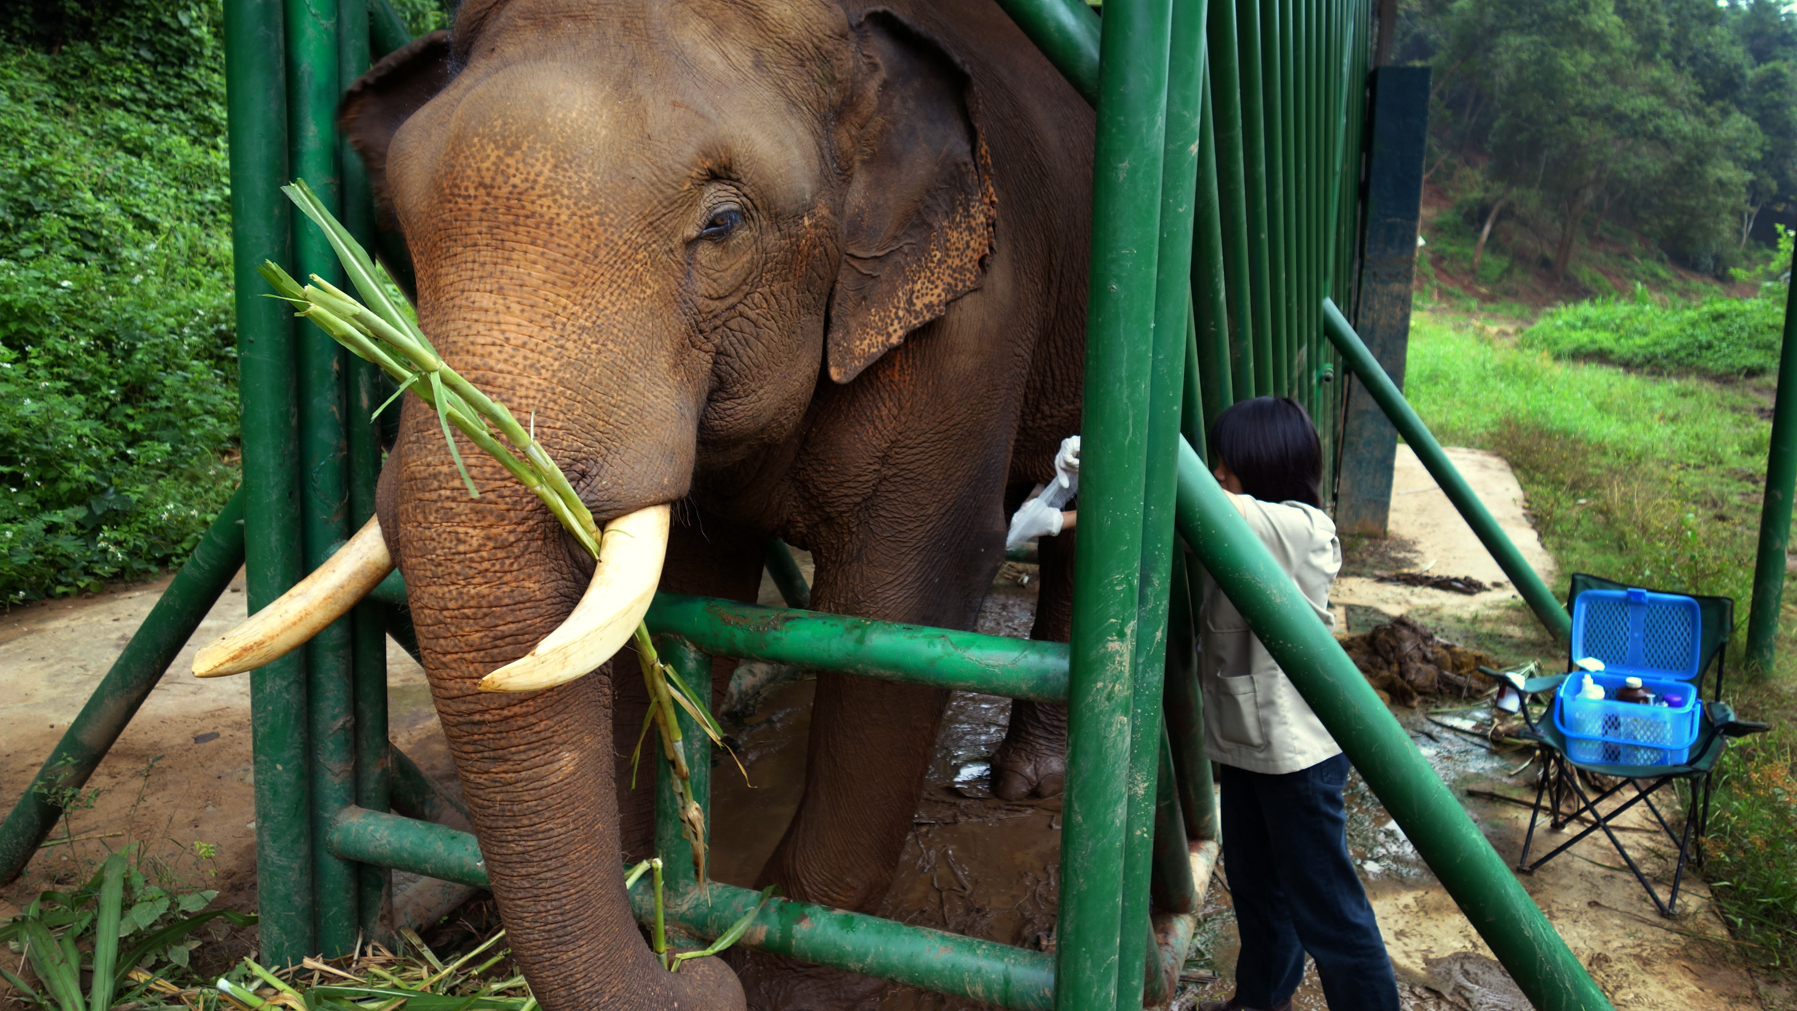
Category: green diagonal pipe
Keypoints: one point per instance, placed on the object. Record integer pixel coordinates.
(1357, 358)
(1472, 872)
(126, 685)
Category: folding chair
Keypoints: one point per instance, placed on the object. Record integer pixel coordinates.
(1667, 640)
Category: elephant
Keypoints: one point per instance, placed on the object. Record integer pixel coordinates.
(813, 269)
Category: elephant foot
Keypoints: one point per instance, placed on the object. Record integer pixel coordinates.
(1032, 759)
(778, 983)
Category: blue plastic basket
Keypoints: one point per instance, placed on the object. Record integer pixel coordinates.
(1608, 732)
(1657, 637)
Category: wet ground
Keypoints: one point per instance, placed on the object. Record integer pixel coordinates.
(973, 864)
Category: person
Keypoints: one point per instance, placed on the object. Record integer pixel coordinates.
(1285, 846)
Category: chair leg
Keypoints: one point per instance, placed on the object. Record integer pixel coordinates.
(1548, 764)
(1703, 822)
(1678, 872)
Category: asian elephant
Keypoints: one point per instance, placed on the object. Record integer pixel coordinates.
(805, 268)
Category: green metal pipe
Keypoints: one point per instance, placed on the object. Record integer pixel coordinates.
(1279, 275)
(416, 795)
(1256, 164)
(1184, 708)
(256, 100)
(784, 571)
(407, 844)
(984, 971)
(178, 612)
(1191, 406)
(387, 31)
(1120, 319)
(675, 852)
(1067, 33)
(1208, 369)
(1174, 890)
(313, 69)
(914, 654)
(1224, 95)
(1364, 366)
(1472, 872)
(1775, 508)
(1166, 388)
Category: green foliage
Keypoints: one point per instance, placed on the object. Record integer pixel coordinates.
(118, 408)
(119, 921)
(1646, 480)
(1752, 846)
(1730, 337)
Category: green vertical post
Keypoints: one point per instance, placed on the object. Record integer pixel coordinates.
(366, 391)
(1225, 97)
(1209, 369)
(1120, 320)
(313, 70)
(1174, 889)
(1166, 387)
(1279, 278)
(256, 99)
(178, 612)
(1775, 508)
(1184, 708)
(675, 852)
(1256, 165)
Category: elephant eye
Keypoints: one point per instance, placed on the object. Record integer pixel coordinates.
(722, 223)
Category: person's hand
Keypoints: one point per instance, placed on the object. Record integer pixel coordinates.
(1066, 462)
(1035, 519)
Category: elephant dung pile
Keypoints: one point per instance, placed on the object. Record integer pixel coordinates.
(1404, 661)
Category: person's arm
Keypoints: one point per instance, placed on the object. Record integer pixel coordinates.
(1237, 501)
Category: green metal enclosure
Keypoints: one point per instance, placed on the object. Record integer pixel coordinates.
(1226, 204)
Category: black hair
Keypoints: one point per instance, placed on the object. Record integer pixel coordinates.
(1272, 447)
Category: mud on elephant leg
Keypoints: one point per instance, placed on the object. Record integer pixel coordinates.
(1032, 759)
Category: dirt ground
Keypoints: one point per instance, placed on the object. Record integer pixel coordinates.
(973, 864)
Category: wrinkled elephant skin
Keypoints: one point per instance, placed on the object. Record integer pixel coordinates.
(802, 269)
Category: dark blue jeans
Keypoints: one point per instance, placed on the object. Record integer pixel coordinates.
(1285, 848)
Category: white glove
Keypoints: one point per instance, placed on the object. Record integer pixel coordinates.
(1037, 518)
(1066, 463)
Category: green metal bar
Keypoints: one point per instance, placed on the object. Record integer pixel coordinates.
(1184, 708)
(178, 612)
(1174, 889)
(1224, 95)
(1208, 368)
(1121, 309)
(984, 971)
(1067, 33)
(1432, 819)
(914, 654)
(786, 575)
(313, 68)
(1279, 274)
(417, 795)
(1775, 509)
(386, 29)
(368, 636)
(1191, 407)
(1356, 356)
(256, 98)
(1166, 388)
(1256, 162)
(675, 852)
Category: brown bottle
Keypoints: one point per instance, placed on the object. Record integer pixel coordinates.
(1631, 691)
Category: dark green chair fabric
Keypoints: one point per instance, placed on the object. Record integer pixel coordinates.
(1559, 785)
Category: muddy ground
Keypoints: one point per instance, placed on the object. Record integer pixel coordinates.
(180, 775)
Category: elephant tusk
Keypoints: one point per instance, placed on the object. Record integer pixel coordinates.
(630, 556)
(303, 611)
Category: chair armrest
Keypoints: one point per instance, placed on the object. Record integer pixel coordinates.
(1722, 717)
(1526, 687)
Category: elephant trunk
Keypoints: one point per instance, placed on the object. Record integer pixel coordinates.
(489, 580)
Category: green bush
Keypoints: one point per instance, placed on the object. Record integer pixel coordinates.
(1717, 336)
(118, 403)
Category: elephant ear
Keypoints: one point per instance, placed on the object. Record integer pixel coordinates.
(919, 215)
(381, 101)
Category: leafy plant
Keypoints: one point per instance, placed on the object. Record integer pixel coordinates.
(65, 935)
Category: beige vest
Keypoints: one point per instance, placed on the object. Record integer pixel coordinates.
(1253, 718)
